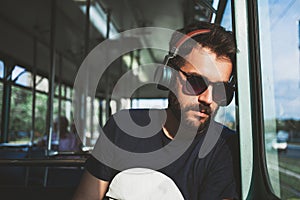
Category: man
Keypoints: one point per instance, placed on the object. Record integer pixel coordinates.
(191, 156)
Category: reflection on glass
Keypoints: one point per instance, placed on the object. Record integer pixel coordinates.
(279, 48)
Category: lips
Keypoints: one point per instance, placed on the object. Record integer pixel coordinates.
(201, 109)
(201, 114)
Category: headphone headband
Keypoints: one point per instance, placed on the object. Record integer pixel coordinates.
(189, 35)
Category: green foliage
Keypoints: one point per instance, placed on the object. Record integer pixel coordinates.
(21, 113)
(40, 113)
(20, 110)
(288, 125)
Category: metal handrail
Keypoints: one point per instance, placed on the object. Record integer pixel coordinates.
(47, 162)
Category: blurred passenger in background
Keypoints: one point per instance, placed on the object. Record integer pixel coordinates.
(62, 138)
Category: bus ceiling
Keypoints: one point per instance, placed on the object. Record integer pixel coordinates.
(40, 27)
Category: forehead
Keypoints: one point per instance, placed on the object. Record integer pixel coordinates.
(204, 62)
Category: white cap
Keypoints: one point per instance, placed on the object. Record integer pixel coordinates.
(143, 184)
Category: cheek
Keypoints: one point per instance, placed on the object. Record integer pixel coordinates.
(182, 98)
(187, 100)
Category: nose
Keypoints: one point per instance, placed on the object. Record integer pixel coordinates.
(206, 97)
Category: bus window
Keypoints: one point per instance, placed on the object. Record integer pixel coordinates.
(42, 84)
(20, 115)
(149, 103)
(226, 115)
(1, 87)
(279, 50)
(40, 115)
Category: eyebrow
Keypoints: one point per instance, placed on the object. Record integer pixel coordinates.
(204, 77)
(191, 73)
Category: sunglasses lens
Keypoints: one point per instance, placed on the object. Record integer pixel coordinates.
(196, 85)
(222, 93)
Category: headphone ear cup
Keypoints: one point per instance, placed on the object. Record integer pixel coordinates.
(163, 76)
(229, 95)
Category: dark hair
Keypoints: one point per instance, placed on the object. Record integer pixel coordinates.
(63, 123)
(218, 40)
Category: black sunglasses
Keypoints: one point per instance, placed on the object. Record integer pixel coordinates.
(222, 91)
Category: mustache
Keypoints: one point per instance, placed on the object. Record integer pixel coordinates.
(199, 107)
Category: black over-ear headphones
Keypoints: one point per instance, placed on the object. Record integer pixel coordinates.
(164, 75)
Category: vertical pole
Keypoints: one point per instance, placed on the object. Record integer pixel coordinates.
(92, 117)
(49, 120)
(87, 27)
(84, 90)
(101, 112)
(108, 23)
(33, 91)
(59, 97)
(8, 68)
(107, 109)
(59, 85)
(260, 183)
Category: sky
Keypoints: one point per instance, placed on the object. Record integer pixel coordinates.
(284, 55)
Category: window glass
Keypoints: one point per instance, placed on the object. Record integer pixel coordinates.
(56, 107)
(68, 92)
(20, 115)
(103, 111)
(1, 69)
(56, 89)
(226, 115)
(22, 77)
(149, 103)
(279, 48)
(227, 18)
(1, 96)
(63, 90)
(65, 108)
(90, 113)
(1, 88)
(95, 122)
(42, 84)
(40, 115)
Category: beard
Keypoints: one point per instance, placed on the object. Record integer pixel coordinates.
(181, 113)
